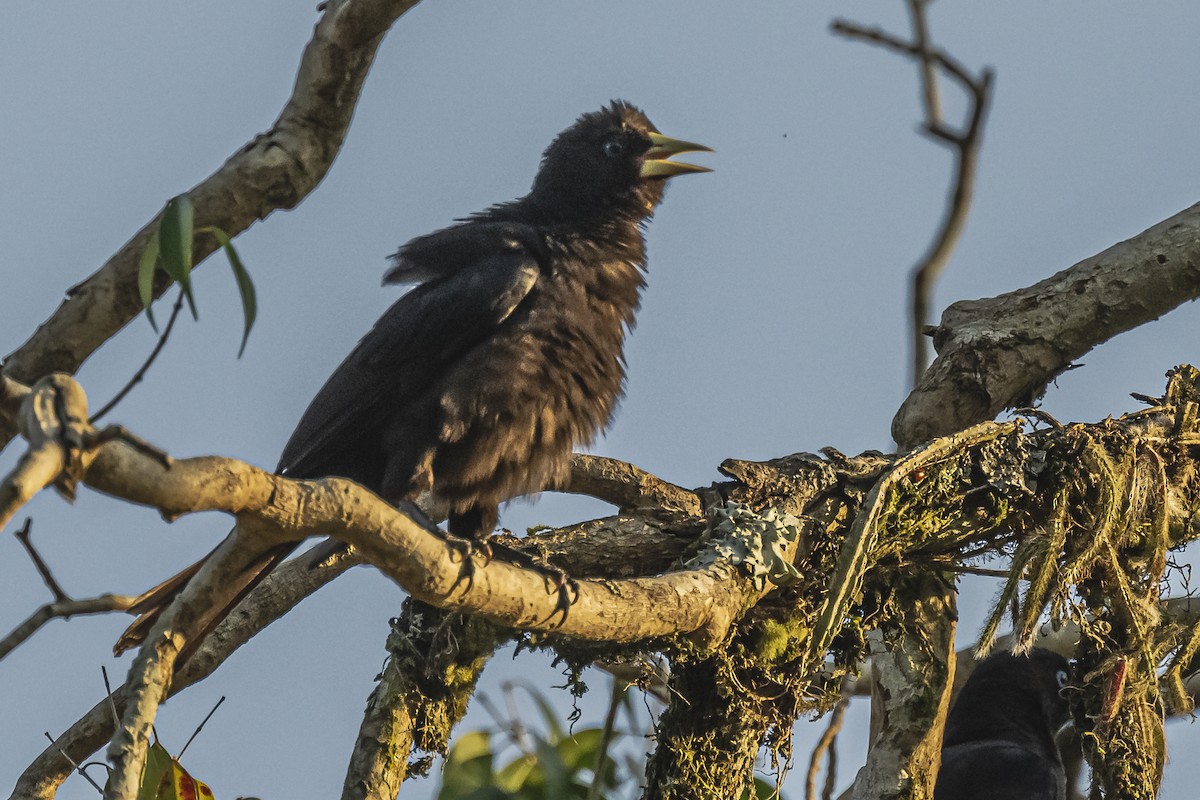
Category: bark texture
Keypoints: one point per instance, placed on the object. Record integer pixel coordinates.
(1000, 352)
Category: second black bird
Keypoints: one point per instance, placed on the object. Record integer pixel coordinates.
(477, 384)
(999, 740)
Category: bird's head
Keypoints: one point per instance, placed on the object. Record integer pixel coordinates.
(611, 158)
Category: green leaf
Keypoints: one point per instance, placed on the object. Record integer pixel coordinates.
(549, 716)
(175, 244)
(763, 790)
(468, 766)
(245, 285)
(578, 751)
(553, 770)
(156, 776)
(146, 265)
(513, 776)
(488, 793)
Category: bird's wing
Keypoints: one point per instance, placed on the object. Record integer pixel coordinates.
(998, 770)
(412, 345)
(445, 252)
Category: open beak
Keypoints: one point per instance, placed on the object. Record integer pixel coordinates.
(662, 147)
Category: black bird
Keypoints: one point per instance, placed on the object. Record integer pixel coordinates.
(476, 385)
(999, 741)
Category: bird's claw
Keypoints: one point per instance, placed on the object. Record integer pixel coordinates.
(466, 550)
(568, 592)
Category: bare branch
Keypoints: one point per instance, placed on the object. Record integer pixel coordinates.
(610, 720)
(63, 609)
(884, 39)
(149, 680)
(929, 87)
(827, 743)
(276, 170)
(140, 374)
(965, 144)
(1001, 351)
(627, 487)
(23, 536)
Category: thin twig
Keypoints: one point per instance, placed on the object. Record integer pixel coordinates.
(112, 704)
(627, 486)
(965, 143)
(75, 764)
(64, 609)
(123, 434)
(827, 744)
(1040, 415)
(606, 737)
(199, 728)
(929, 88)
(23, 536)
(141, 373)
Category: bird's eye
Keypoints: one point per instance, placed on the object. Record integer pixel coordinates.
(1061, 676)
(613, 148)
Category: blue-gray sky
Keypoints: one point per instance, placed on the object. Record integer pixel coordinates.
(774, 320)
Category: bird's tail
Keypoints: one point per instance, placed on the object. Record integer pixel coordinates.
(153, 602)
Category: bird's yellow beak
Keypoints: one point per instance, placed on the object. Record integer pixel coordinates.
(662, 147)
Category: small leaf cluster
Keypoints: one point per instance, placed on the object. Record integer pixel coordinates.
(170, 247)
(558, 764)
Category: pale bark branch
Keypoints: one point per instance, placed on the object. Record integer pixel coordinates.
(63, 609)
(277, 169)
(150, 675)
(627, 487)
(912, 678)
(1000, 352)
(701, 602)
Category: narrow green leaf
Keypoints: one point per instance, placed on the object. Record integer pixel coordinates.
(553, 770)
(156, 775)
(578, 751)
(244, 284)
(514, 774)
(549, 715)
(175, 244)
(468, 766)
(146, 265)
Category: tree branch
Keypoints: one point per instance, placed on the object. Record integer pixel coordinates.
(912, 677)
(1001, 351)
(627, 487)
(277, 169)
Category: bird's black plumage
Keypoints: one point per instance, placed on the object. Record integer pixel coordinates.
(999, 739)
(476, 385)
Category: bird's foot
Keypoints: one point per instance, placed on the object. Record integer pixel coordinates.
(557, 580)
(466, 549)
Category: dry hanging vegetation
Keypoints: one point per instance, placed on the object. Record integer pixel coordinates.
(765, 592)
